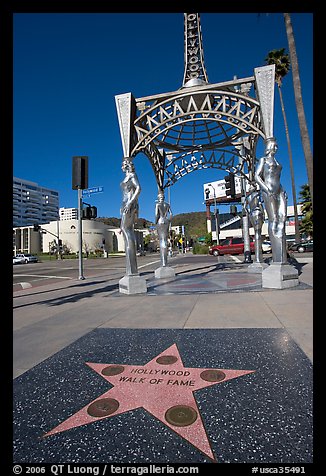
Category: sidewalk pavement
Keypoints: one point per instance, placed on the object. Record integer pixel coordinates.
(48, 319)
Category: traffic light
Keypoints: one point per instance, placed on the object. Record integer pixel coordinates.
(229, 185)
(79, 172)
(86, 214)
(93, 212)
(89, 212)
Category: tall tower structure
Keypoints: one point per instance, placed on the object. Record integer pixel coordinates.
(194, 72)
(201, 124)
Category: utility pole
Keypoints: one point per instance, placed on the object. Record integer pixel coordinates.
(80, 234)
(58, 245)
(245, 224)
(80, 183)
(215, 215)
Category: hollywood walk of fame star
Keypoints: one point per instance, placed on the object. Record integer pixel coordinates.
(163, 387)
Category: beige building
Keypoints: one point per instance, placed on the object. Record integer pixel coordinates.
(26, 240)
(97, 236)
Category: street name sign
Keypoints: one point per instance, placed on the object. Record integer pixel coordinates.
(90, 191)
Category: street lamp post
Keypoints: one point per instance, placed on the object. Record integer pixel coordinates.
(215, 214)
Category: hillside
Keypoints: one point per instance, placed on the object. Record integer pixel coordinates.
(194, 222)
(113, 221)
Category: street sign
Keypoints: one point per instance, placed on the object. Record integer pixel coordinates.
(89, 191)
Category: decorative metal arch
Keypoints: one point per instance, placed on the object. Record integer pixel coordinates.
(190, 118)
(200, 125)
(179, 165)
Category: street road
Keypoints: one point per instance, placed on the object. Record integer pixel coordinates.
(47, 272)
(36, 274)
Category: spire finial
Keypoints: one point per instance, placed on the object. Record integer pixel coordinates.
(195, 72)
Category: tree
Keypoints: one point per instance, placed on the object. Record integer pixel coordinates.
(208, 238)
(282, 67)
(299, 102)
(306, 225)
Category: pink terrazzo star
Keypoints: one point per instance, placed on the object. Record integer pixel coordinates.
(163, 387)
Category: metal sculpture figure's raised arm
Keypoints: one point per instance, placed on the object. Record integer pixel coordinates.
(255, 210)
(129, 213)
(268, 174)
(163, 215)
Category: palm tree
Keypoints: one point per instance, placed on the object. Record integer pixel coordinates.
(282, 67)
(299, 102)
(306, 208)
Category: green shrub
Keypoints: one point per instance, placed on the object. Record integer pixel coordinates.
(200, 249)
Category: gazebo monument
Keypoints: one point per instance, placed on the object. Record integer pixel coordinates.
(196, 127)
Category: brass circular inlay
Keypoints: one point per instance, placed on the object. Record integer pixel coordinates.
(181, 415)
(213, 375)
(112, 370)
(166, 359)
(103, 407)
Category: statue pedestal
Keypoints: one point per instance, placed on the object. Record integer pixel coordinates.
(133, 284)
(257, 267)
(280, 276)
(164, 272)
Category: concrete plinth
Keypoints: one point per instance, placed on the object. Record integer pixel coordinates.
(280, 276)
(257, 267)
(164, 272)
(132, 285)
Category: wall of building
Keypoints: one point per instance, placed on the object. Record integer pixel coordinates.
(236, 229)
(94, 233)
(68, 213)
(96, 236)
(33, 203)
(118, 241)
(26, 240)
(289, 232)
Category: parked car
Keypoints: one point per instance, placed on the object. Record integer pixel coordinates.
(17, 260)
(302, 246)
(266, 246)
(27, 257)
(231, 246)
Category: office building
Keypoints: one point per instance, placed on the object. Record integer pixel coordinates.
(33, 203)
(68, 213)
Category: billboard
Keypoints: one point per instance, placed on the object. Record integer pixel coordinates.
(219, 188)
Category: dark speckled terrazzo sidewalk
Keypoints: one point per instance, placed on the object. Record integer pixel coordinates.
(219, 319)
(264, 417)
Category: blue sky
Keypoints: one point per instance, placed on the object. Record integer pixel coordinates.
(68, 67)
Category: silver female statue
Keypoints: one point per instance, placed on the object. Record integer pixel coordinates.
(129, 213)
(267, 176)
(255, 210)
(163, 215)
